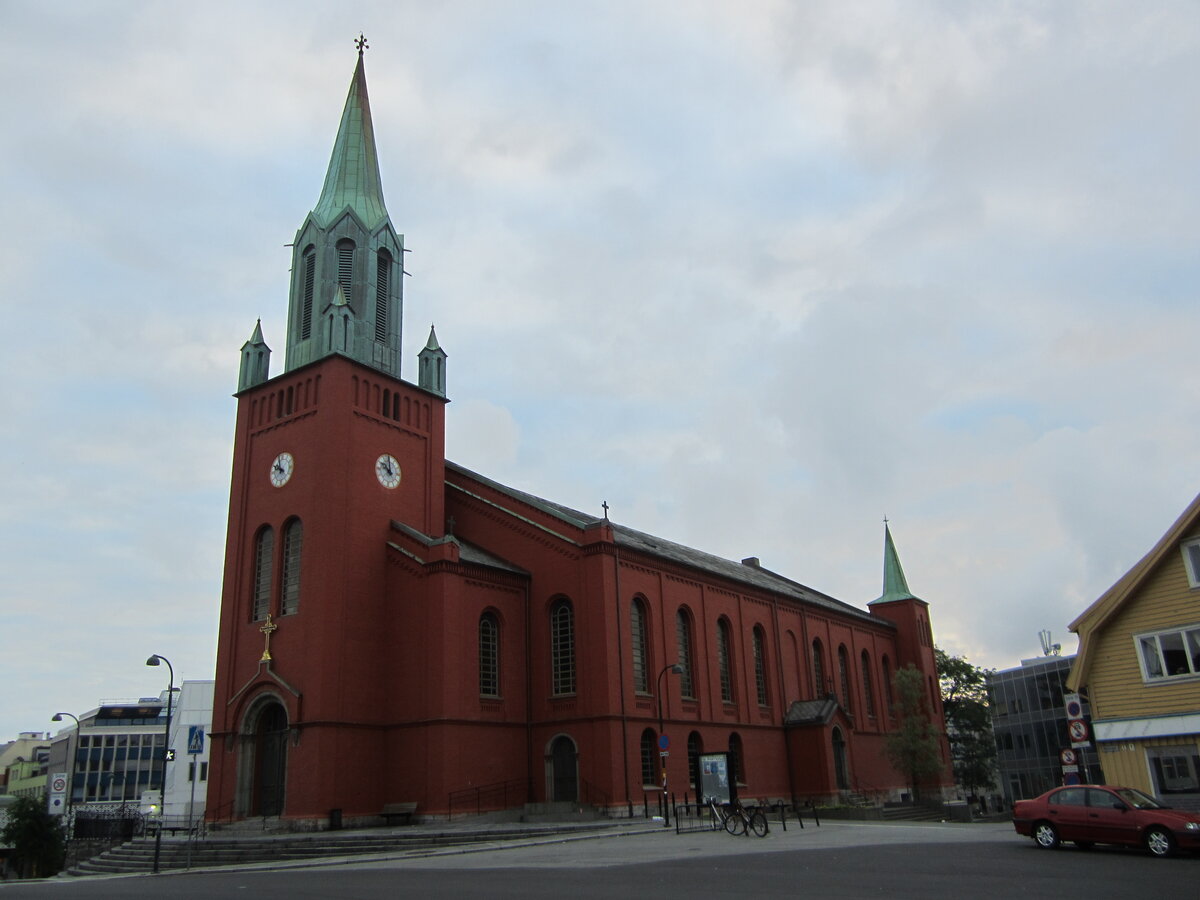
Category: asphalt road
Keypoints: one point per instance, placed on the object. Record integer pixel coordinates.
(838, 860)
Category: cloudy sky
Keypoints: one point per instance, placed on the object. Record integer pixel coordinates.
(758, 274)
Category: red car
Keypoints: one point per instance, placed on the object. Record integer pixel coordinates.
(1101, 814)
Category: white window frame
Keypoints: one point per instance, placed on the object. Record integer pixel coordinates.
(1156, 637)
(1191, 561)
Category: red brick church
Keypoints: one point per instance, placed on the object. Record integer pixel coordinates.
(398, 629)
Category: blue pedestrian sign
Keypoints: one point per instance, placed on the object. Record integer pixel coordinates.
(195, 739)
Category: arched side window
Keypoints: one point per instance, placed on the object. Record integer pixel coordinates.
(868, 690)
(264, 557)
(637, 627)
(683, 637)
(887, 686)
(724, 663)
(383, 271)
(694, 751)
(293, 544)
(308, 272)
(562, 647)
(819, 685)
(737, 759)
(844, 678)
(649, 768)
(760, 666)
(345, 255)
(489, 655)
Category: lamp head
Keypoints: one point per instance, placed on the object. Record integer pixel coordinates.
(677, 669)
(57, 717)
(153, 660)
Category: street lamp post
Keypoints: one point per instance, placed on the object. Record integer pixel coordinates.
(677, 669)
(58, 717)
(162, 800)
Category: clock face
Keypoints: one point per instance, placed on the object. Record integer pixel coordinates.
(387, 470)
(282, 468)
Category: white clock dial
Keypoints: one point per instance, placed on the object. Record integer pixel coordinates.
(282, 468)
(387, 470)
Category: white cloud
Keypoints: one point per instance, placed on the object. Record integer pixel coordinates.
(757, 277)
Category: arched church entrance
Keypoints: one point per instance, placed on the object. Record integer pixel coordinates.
(263, 768)
(564, 770)
(839, 761)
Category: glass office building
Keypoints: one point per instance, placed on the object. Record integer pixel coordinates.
(1030, 725)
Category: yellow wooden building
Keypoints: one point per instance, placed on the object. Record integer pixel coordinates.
(1139, 665)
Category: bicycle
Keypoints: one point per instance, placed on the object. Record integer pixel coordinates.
(738, 819)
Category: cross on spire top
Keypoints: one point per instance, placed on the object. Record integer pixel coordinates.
(361, 43)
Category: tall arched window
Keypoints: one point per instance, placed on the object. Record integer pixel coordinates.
(345, 255)
(683, 637)
(489, 655)
(737, 759)
(637, 627)
(844, 678)
(383, 270)
(760, 665)
(695, 749)
(819, 684)
(887, 685)
(308, 272)
(293, 543)
(868, 690)
(562, 647)
(264, 556)
(649, 767)
(724, 665)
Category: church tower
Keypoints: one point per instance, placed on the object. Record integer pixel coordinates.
(347, 244)
(332, 458)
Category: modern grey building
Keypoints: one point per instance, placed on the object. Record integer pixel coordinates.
(1029, 721)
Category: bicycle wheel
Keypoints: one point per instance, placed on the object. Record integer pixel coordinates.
(758, 822)
(735, 823)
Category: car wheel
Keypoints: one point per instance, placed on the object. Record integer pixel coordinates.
(1160, 842)
(1085, 845)
(1046, 835)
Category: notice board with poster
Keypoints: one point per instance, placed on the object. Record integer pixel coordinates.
(715, 783)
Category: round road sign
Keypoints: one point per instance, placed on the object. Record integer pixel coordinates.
(663, 742)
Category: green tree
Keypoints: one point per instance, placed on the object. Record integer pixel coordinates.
(968, 721)
(38, 847)
(914, 748)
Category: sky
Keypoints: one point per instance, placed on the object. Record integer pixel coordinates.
(757, 274)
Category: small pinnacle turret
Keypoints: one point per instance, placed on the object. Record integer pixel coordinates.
(432, 366)
(256, 360)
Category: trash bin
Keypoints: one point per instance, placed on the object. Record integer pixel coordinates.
(335, 820)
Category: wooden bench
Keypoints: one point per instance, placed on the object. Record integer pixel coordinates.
(402, 811)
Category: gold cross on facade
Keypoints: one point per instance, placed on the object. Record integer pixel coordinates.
(266, 628)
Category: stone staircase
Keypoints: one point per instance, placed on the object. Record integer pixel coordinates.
(137, 856)
(909, 812)
(559, 812)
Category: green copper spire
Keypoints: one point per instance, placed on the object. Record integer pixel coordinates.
(347, 290)
(353, 176)
(895, 586)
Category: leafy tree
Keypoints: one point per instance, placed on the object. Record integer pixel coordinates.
(968, 721)
(914, 748)
(38, 847)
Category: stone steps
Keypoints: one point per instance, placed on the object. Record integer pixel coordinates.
(138, 855)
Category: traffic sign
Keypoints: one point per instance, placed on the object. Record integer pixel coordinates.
(1067, 756)
(195, 739)
(664, 742)
(1073, 706)
(58, 784)
(1078, 730)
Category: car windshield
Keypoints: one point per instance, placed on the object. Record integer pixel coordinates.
(1137, 799)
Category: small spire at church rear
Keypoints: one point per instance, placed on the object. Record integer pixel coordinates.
(361, 43)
